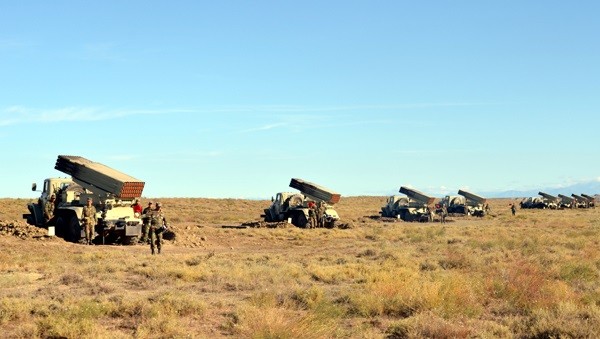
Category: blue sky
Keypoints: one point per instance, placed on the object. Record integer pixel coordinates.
(234, 98)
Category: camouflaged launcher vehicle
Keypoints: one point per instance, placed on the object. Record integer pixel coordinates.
(412, 207)
(112, 192)
(296, 207)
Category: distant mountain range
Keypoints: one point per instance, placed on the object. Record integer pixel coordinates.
(590, 188)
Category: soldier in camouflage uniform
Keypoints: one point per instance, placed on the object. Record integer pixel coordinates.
(89, 220)
(312, 217)
(158, 224)
(146, 222)
(320, 214)
(49, 209)
(443, 213)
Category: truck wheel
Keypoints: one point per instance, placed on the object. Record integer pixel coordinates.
(403, 216)
(268, 217)
(74, 229)
(299, 219)
(61, 227)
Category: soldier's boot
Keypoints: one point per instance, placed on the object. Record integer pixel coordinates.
(158, 250)
(152, 250)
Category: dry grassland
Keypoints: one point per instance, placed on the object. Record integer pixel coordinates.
(534, 275)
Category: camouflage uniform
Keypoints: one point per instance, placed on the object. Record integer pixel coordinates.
(158, 223)
(513, 209)
(321, 214)
(49, 210)
(89, 221)
(146, 222)
(312, 218)
(444, 213)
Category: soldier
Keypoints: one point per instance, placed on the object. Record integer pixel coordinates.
(146, 222)
(312, 217)
(444, 213)
(513, 209)
(49, 209)
(321, 214)
(487, 208)
(158, 224)
(89, 220)
(137, 208)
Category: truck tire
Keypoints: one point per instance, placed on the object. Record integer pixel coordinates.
(403, 216)
(268, 217)
(299, 219)
(61, 226)
(73, 229)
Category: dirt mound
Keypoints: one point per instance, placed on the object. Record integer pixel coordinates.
(21, 229)
(280, 224)
(260, 224)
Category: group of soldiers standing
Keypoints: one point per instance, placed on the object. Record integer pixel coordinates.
(316, 214)
(154, 224)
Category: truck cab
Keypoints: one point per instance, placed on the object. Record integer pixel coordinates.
(56, 186)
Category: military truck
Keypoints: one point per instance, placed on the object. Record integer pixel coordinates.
(296, 207)
(533, 202)
(549, 201)
(581, 202)
(566, 202)
(590, 199)
(412, 207)
(113, 194)
(465, 203)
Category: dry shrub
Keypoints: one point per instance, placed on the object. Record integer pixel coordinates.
(334, 274)
(178, 304)
(460, 295)
(564, 320)
(71, 279)
(281, 322)
(400, 293)
(13, 309)
(307, 298)
(429, 325)
(525, 286)
(454, 260)
(578, 271)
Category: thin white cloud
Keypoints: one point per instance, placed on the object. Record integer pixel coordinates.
(23, 115)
